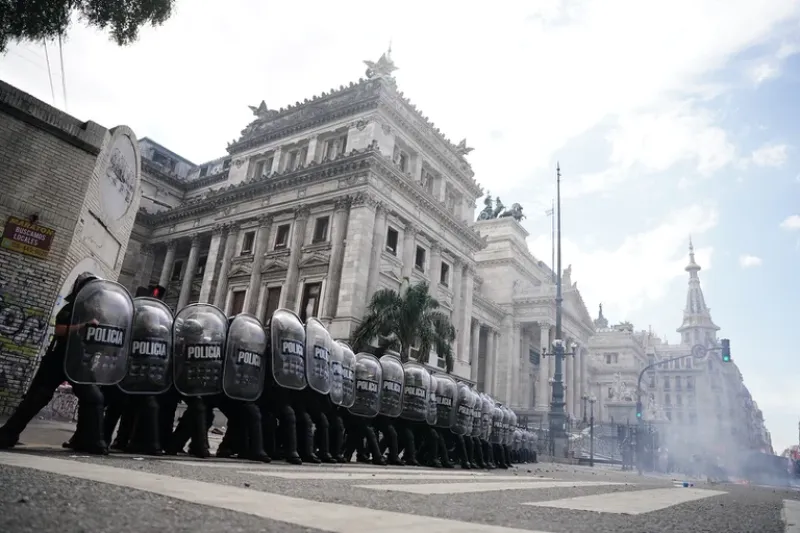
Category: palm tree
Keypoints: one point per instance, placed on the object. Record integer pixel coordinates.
(401, 319)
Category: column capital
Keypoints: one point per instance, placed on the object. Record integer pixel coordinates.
(146, 249)
(342, 204)
(470, 269)
(436, 247)
(171, 245)
(411, 230)
(363, 199)
(194, 239)
(302, 213)
(543, 324)
(516, 325)
(457, 262)
(219, 229)
(265, 220)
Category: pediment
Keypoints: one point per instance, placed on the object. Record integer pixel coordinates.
(315, 259)
(274, 265)
(240, 270)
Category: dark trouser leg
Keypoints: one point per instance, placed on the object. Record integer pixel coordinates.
(116, 404)
(488, 454)
(322, 436)
(461, 449)
(269, 426)
(499, 458)
(305, 432)
(90, 416)
(289, 433)
(142, 421)
(336, 435)
(443, 454)
(167, 405)
(372, 443)
(196, 427)
(477, 452)
(432, 443)
(406, 436)
(47, 378)
(253, 437)
(390, 433)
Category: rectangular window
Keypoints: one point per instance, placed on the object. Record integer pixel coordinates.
(258, 171)
(310, 303)
(247, 243)
(282, 237)
(419, 259)
(391, 241)
(402, 161)
(268, 165)
(203, 171)
(201, 266)
(273, 299)
(177, 268)
(666, 383)
(237, 302)
(293, 159)
(320, 230)
(444, 275)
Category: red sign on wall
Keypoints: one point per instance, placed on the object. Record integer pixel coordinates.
(27, 238)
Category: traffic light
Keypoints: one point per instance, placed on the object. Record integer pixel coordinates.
(639, 410)
(156, 291)
(726, 350)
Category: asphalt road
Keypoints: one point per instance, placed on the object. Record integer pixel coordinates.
(47, 489)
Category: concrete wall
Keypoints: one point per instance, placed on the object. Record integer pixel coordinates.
(50, 176)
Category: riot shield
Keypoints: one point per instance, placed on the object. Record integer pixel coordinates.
(318, 356)
(507, 429)
(487, 410)
(462, 423)
(446, 390)
(497, 425)
(368, 376)
(433, 408)
(99, 342)
(150, 358)
(392, 383)
(337, 381)
(287, 350)
(415, 392)
(198, 341)
(517, 445)
(348, 376)
(477, 411)
(245, 367)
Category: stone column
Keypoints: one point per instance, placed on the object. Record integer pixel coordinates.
(585, 388)
(576, 384)
(276, 161)
(488, 371)
(468, 282)
(337, 257)
(260, 248)
(475, 346)
(169, 261)
(409, 249)
(289, 295)
(435, 268)
(514, 353)
(508, 359)
(312, 150)
(378, 236)
(456, 317)
(211, 266)
(542, 386)
(188, 276)
(231, 235)
(353, 288)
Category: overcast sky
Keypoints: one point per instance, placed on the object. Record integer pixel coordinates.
(668, 118)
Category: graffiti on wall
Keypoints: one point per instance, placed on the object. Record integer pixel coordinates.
(22, 328)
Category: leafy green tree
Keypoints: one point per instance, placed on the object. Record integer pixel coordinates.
(402, 319)
(36, 20)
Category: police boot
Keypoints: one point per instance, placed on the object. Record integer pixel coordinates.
(90, 438)
(470, 452)
(391, 440)
(444, 456)
(145, 438)
(507, 456)
(269, 426)
(322, 438)
(127, 424)
(372, 444)
(477, 452)
(305, 438)
(228, 447)
(289, 434)
(432, 445)
(197, 427)
(409, 447)
(252, 441)
(488, 455)
(336, 435)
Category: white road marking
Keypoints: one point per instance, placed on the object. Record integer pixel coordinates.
(323, 516)
(483, 486)
(630, 503)
(363, 476)
(241, 465)
(790, 514)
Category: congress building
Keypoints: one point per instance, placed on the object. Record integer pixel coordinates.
(320, 204)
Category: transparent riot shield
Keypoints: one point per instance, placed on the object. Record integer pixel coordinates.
(431, 415)
(497, 425)
(507, 429)
(337, 381)
(462, 423)
(368, 386)
(446, 390)
(287, 350)
(393, 381)
(150, 357)
(348, 376)
(99, 341)
(318, 356)
(198, 336)
(245, 367)
(415, 392)
(487, 410)
(477, 412)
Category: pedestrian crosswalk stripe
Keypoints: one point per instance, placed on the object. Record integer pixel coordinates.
(350, 468)
(630, 502)
(323, 516)
(790, 514)
(483, 486)
(337, 475)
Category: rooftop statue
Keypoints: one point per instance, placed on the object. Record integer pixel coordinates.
(263, 114)
(496, 209)
(381, 68)
(462, 148)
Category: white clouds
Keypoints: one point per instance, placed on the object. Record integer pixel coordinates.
(639, 270)
(791, 223)
(770, 155)
(749, 261)
(770, 67)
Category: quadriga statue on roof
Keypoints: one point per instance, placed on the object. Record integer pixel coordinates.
(496, 209)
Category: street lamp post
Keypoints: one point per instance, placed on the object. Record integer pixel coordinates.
(585, 399)
(592, 399)
(557, 412)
